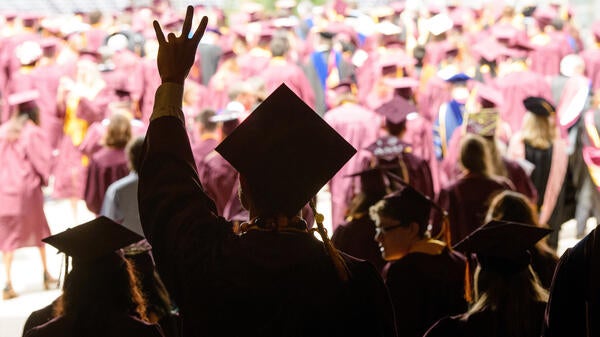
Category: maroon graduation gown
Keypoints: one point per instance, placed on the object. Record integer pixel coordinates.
(201, 149)
(425, 288)
(106, 166)
(357, 238)
(515, 87)
(25, 168)
(282, 71)
(281, 281)
(360, 127)
(467, 201)
(220, 181)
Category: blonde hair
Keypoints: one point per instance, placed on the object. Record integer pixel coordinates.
(538, 131)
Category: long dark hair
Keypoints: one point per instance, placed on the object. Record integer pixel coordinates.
(512, 297)
(95, 291)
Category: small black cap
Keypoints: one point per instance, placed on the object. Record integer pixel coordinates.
(539, 106)
(93, 240)
(501, 245)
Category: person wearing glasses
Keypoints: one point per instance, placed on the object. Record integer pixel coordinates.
(424, 277)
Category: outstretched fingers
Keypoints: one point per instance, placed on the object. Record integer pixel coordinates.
(160, 36)
(200, 30)
(187, 23)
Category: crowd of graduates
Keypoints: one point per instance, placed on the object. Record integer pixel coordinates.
(455, 140)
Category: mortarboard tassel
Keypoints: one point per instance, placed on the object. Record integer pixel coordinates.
(468, 286)
(445, 234)
(335, 256)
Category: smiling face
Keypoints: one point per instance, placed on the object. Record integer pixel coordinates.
(393, 238)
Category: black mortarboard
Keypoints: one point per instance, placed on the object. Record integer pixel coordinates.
(539, 106)
(396, 110)
(502, 246)
(327, 35)
(285, 151)
(409, 205)
(388, 148)
(93, 240)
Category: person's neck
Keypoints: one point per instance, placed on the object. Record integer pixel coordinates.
(427, 246)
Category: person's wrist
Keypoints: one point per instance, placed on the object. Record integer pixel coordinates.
(173, 80)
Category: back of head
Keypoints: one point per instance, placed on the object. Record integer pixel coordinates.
(108, 286)
(279, 46)
(134, 153)
(118, 132)
(474, 156)
(205, 119)
(514, 207)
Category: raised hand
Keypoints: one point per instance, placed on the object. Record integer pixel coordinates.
(176, 55)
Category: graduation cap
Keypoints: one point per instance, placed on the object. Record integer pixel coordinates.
(396, 110)
(408, 205)
(388, 148)
(49, 46)
(439, 24)
(403, 86)
(30, 19)
(372, 180)
(488, 96)
(28, 52)
(483, 123)
(544, 15)
(502, 246)
(489, 49)
(270, 150)
(93, 240)
(539, 106)
(233, 111)
(459, 78)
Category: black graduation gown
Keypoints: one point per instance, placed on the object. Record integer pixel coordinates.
(484, 323)
(425, 288)
(113, 326)
(575, 287)
(257, 284)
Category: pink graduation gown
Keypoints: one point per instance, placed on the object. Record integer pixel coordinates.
(591, 57)
(280, 71)
(360, 127)
(515, 87)
(25, 168)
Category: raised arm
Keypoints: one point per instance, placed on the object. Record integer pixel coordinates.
(178, 218)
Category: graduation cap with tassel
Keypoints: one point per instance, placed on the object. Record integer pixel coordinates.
(286, 152)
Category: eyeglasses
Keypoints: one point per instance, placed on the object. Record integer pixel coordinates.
(383, 230)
